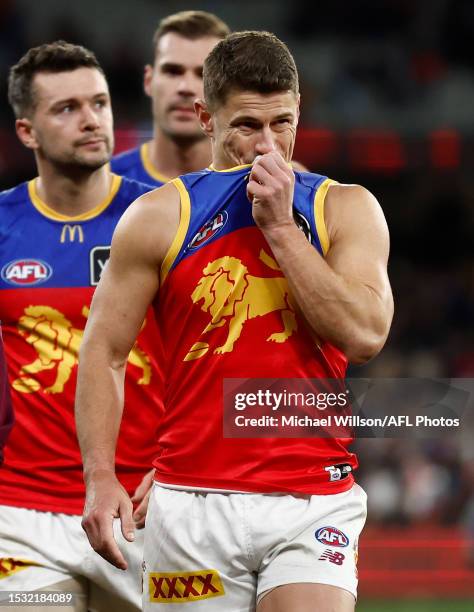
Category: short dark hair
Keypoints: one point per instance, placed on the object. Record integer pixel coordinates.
(192, 25)
(58, 56)
(253, 61)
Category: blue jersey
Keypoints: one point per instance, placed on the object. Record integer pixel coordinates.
(49, 266)
(136, 164)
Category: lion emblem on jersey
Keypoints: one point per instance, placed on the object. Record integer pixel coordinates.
(56, 343)
(232, 296)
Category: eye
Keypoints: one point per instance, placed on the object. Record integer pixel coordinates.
(172, 70)
(100, 103)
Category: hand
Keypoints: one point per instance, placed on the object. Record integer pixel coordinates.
(270, 190)
(141, 497)
(106, 499)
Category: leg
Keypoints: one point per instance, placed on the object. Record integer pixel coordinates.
(305, 597)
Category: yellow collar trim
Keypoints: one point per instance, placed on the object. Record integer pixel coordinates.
(146, 161)
(47, 211)
(233, 169)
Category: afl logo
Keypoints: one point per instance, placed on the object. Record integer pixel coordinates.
(26, 272)
(331, 536)
(209, 230)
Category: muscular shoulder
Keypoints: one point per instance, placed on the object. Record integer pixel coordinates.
(351, 208)
(149, 225)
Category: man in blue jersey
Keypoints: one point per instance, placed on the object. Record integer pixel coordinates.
(240, 291)
(55, 235)
(180, 44)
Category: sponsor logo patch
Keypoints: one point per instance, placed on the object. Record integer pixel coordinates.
(339, 471)
(209, 230)
(98, 257)
(331, 536)
(170, 587)
(9, 566)
(303, 224)
(332, 556)
(26, 272)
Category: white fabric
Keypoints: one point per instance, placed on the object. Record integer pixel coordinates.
(58, 544)
(254, 541)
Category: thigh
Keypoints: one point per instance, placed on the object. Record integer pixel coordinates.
(111, 588)
(196, 550)
(33, 549)
(305, 597)
(317, 544)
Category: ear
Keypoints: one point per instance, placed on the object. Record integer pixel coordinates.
(298, 100)
(204, 116)
(26, 133)
(147, 77)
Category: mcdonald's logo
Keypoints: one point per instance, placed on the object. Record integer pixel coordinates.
(70, 232)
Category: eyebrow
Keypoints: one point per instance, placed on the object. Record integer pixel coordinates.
(70, 100)
(251, 119)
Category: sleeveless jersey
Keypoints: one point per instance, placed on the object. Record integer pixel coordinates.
(135, 164)
(49, 266)
(6, 411)
(222, 299)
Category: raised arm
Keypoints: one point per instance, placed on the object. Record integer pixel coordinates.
(345, 297)
(127, 287)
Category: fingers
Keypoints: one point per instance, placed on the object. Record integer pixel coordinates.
(126, 520)
(143, 487)
(139, 515)
(99, 529)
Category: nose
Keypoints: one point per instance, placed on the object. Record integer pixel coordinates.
(266, 141)
(187, 85)
(90, 119)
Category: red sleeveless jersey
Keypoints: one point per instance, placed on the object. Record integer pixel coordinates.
(221, 302)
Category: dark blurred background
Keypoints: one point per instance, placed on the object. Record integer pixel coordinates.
(387, 101)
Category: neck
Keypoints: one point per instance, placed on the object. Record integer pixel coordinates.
(173, 158)
(73, 194)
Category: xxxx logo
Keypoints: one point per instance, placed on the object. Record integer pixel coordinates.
(169, 587)
(9, 566)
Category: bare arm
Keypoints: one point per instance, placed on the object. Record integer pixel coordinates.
(127, 287)
(345, 297)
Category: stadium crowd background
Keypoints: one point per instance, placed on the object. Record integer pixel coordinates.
(387, 101)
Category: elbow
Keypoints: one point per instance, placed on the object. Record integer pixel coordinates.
(362, 349)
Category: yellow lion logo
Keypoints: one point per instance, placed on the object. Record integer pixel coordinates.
(231, 295)
(57, 343)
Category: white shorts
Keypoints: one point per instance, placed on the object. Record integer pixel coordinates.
(223, 551)
(38, 549)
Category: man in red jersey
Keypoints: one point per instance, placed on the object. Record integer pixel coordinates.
(55, 234)
(6, 412)
(239, 292)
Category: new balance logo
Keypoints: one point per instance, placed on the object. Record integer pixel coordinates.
(332, 556)
(169, 587)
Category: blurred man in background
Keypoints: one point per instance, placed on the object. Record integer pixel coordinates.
(55, 234)
(181, 43)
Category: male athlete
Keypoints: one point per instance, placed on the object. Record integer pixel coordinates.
(180, 45)
(6, 412)
(55, 234)
(238, 524)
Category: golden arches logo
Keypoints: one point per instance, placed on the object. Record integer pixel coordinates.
(70, 231)
(56, 343)
(232, 296)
